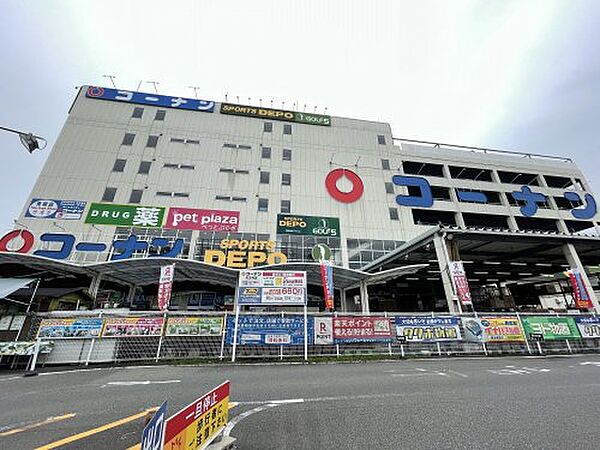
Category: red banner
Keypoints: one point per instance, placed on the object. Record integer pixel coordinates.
(580, 292)
(361, 328)
(459, 279)
(165, 284)
(326, 278)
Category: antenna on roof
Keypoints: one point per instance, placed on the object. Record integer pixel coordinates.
(260, 101)
(283, 104)
(154, 83)
(195, 88)
(304, 109)
(112, 79)
(237, 97)
(249, 100)
(325, 111)
(139, 86)
(315, 110)
(225, 96)
(271, 103)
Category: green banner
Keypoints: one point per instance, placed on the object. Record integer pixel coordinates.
(308, 225)
(552, 328)
(194, 326)
(125, 215)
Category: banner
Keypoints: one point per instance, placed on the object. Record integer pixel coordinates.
(502, 329)
(23, 348)
(361, 329)
(589, 326)
(551, 328)
(580, 292)
(459, 279)
(323, 330)
(194, 326)
(125, 215)
(308, 225)
(132, 326)
(165, 285)
(474, 329)
(257, 287)
(42, 208)
(269, 330)
(327, 280)
(427, 329)
(202, 219)
(70, 328)
(275, 114)
(199, 423)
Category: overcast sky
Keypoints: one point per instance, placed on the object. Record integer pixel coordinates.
(519, 75)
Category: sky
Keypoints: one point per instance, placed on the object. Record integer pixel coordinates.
(517, 75)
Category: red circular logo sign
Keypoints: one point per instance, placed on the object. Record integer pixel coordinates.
(95, 91)
(345, 197)
(25, 235)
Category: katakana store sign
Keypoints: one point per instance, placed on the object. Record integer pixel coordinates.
(275, 114)
(308, 225)
(43, 208)
(125, 215)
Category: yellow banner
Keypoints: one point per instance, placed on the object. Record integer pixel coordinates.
(502, 329)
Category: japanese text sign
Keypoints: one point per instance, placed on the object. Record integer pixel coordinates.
(502, 329)
(42, 208)
(125, 215)
(258, 287)
(428, 329)
(132, 326)
(165, 285)
(361, 329)
(70, 328)
(194, 326)
(551, 328)
(268, 330)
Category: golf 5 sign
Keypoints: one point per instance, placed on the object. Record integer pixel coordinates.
(308, 225)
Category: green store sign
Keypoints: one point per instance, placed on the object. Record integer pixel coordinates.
(552, 328)
(275, 114)
(308, 225)
(125, 215)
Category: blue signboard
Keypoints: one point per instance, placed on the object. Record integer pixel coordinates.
(269, 330)
(153, 434)
(45, 208)
(427, 329)
(142, 98)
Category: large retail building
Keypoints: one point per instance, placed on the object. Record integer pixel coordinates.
(135, 178)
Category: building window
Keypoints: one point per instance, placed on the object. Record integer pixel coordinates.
(266, 153)
(394, 214)
(287, 154)
(286, 179)
(160, 114)
(389, 188)
(225, 170)
(264, 177)
(172, 194)
(178, 140)
(385, 164)
(263, 204)
(152, 141)
(137, 112)
(192, 141)
(119, 165)
(144, 167)
(285, 206)
(268, 127)
(178, 166)
(136, 196)
(128, 139)
(109, 194)
(381, 139)
(287, 128)
(238, 199)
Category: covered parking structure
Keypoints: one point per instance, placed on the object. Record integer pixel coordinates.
(506, 270)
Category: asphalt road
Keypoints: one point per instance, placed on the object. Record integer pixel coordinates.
(493, 403)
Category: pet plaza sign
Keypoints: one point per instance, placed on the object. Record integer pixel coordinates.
(242, 254)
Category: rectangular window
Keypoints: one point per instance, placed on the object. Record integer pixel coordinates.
(266, 153)
(238, 199)
(192, 141)
(264, 177)
(173, 194)
(128, 139)
(222, 197)
(287, 154)
(119, 165)
(242, 171)
(268, 127)
(394, 214)
(160, 114)
(137, 112)
(385, 164)
(225, 170)
(389, 188)
(286, 179)
(145, 167)
(263, 204)
(181, 194)
(287, 128)
(285, 206)
(381, 139)
(178, 140)
(109, 194)
(136, 196)
(152, 141)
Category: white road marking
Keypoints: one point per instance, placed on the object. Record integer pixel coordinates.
(237, 419)
(459, 373)
(420, 369)
(136, 383)
(590, 363)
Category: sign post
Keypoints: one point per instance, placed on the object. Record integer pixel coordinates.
(154, 432)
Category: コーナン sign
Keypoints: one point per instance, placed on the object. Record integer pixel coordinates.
(202, 219)
(241, 254)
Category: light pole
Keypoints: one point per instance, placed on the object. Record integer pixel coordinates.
(30, 141)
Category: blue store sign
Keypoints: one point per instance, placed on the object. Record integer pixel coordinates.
(269, 330)
(44, 208)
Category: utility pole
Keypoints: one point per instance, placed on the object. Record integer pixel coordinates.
(30, 141)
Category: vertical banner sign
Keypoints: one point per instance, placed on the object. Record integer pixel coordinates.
(154, 431)
(165, 285)
(327, 279)
(199, 423)
(459, 279)
(580, 292)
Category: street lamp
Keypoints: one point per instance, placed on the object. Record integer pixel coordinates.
(30, 141)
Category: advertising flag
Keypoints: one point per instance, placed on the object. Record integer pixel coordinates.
(580, 292)
(165, 285)
(327, 280)
(459, 279)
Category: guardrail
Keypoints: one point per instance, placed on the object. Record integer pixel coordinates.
(105, 338)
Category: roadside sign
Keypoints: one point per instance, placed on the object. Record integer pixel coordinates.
(273, 287)
(536, 337)
(199, 423)
(153, 434)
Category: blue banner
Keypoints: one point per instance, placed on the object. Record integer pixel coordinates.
(142, 98)
(45, 208)
(427, 329)
(153, 434)
(270, 330)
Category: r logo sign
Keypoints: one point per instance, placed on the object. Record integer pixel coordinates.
(345, 197)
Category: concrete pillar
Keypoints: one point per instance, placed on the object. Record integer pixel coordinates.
(575, 263)
(94, 287)
(364, 297)
(131, 294)
(441, 254)
(343, 305)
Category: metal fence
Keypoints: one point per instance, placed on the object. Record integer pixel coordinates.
(170, 348)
